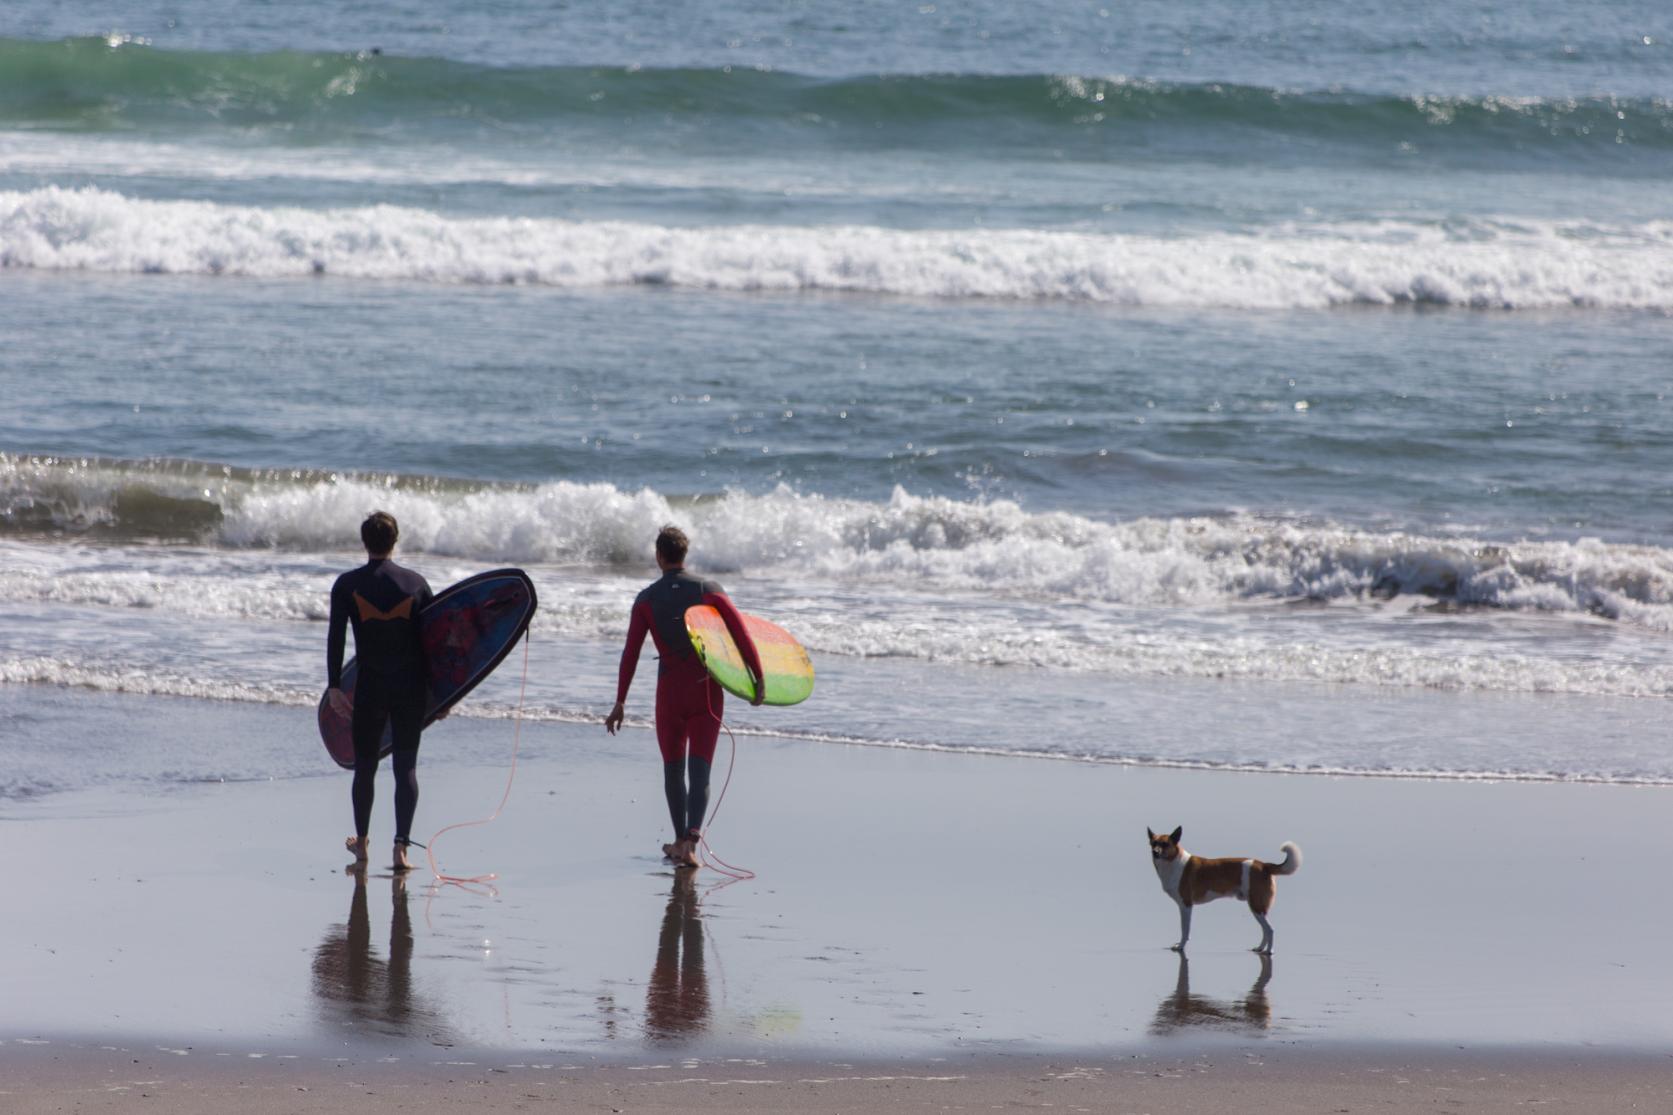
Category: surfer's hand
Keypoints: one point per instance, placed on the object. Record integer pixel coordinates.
(339, 702)
(614, 720)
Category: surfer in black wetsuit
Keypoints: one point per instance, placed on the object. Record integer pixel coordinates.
(381, 600)
(689, 703)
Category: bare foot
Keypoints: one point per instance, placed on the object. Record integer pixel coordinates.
(400, 862)
(671, 852)
(685, 854)
(357, 848)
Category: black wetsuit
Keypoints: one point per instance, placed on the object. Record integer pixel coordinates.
(382, 601)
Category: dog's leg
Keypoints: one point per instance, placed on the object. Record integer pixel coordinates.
(1260, 890)
(1255, 1007)
(1184, 927)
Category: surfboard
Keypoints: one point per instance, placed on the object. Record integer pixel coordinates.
(467, 629)
(789, 671)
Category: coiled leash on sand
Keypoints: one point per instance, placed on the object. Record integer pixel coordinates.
(516, 743)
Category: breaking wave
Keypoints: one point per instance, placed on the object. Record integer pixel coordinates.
(117, 84)
(1504, 264)
(964, 546)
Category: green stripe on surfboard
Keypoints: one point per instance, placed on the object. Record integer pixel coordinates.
(789, 670)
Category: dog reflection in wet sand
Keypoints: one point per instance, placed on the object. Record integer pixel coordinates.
(1191, 880)
(1183, 1010)
(677, 997)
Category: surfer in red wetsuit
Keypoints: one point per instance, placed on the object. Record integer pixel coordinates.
(689, 703)
(381, 600)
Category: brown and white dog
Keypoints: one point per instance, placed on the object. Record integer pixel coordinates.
(1191, 881)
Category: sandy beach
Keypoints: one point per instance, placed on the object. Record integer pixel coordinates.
(113, 1079)
(992, 929)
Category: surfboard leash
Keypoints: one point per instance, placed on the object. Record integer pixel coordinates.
(511, 776)
(711, 859)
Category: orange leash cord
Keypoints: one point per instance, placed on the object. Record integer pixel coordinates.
(707, 854)
(516, 744)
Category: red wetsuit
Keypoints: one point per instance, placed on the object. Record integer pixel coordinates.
(688, 703)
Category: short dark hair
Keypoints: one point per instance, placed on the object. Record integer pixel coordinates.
(672, 544)
(379, 532)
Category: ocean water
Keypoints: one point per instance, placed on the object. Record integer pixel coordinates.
(1264, 386)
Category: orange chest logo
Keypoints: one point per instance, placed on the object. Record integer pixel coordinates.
(369, 610)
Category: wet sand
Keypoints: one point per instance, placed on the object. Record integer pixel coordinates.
(1273, 1081)
(915, 917)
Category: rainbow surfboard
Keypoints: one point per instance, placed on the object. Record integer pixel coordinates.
(789, 671)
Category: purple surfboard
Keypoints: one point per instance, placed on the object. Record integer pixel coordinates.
(467, 630)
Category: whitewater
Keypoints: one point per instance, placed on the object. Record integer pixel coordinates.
(1498, 264)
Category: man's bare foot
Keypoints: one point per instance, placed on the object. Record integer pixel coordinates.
(400, 862)
(671, 852)
(357, 848)
(685, 854)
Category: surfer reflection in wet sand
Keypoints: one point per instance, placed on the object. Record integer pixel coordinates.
(1182, 1010)
(689, 704)
(358, 990)
(381, 600)
(677, 998)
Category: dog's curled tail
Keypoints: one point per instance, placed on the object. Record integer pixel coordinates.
(1292, 860)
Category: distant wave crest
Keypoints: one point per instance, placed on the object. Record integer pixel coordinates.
(114, 83)
(1506, 264)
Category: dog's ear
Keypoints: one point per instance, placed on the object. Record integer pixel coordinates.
(1148, 833)
(1177, 833)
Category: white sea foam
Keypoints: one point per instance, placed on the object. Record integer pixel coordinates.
(117, 677)
(947, 581)
(923, 733)
(960, 631)
(1505, 264)
(990, 547)
(980, 548)
(1347, 757)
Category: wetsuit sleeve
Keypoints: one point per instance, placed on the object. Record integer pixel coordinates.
(637, 628)
(734, 621)
(335, 631)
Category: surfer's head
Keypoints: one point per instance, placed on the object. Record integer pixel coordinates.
(671, 546)
(379, 532)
